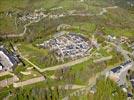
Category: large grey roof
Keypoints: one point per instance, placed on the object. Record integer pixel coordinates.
(10, 56)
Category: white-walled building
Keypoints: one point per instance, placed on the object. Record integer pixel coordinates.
(118, 74)
(7, 60)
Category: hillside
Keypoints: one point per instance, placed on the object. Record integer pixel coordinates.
(118, 19)
(66, 49)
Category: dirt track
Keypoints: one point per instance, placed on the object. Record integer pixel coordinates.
(28, 82)
(104, 10)
(69, 64)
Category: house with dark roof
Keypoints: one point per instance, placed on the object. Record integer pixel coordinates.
(118, 74)
(7, 60)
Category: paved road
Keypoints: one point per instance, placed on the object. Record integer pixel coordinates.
(28, 82)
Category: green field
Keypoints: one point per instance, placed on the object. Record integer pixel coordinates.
(106, 89)
(40, 57)
(116, 22)
(5, 77)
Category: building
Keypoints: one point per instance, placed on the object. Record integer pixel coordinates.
(132, 46)
(7, 60)
(70, 45)
(118, 74)
(124, 39)
(132, 79)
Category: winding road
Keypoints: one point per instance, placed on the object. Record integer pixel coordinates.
(104, 10)
(69, 64)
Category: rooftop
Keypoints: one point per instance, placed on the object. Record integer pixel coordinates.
(121, 66)
(7, 59)
(69, 45)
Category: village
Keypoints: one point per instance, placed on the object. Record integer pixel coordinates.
(66, 50)
(68, 45)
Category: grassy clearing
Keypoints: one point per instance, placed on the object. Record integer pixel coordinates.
(113, 22)
(12, 4)
(5, 77)
(103, 52)
(21, 68)
(105, 91)
(33, 74)
(80, 73)
(109, 88)
(125, 47)
(40, 57)
(119, 32)
(40, 93)
(88, 27)
(7, 25)
(5, 91)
